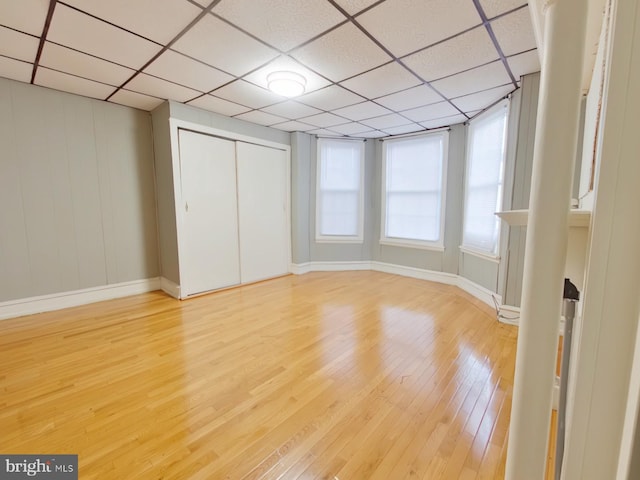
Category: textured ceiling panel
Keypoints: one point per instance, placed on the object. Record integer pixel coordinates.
(15, 69)
(350, 128)
(515, 32)
(481, 78)
(480, 100)
(18, 45)
(386, 121)
(261, 118)
(444, 122)
(83, 65)
(281, 23)
(342, 53)
(283, 62)
(158, 20)
(218, 105)
(293, 126)
(222, 46)
(402, 129)
(429, 112)
(330, 98)
(135, 100)
(528, 62)
(248, 94)
(87, 34)
(413, 97)
(353, 7)
(383, 80)
(71, 84)
(188, 72)
(324, 120)
(461, 53)
(157, 87)
(496, 7)
(404, 26)
(291, 110)
(362, 110)
(25, 15)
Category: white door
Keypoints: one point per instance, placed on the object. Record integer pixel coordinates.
(263, 210)
(209, 254)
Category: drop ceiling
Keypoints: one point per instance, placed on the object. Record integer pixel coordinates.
(373, 68)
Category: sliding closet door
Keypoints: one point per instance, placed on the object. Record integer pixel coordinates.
(262, 205)
(209, 256)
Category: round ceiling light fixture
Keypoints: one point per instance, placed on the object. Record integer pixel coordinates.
(287, 84)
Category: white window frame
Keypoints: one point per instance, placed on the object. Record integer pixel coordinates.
(359, 237)
(437, 245)
(501, 107)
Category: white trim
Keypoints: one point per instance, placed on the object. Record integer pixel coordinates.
(398, 242)
(170, 288)
(422, 274)
(481, 293)
(58, 301)
(300, 268)
(511, 315)
(490, 257)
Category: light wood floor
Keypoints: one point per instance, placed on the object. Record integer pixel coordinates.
(349, 376)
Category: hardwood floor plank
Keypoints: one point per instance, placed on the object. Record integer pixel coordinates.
(348, 375)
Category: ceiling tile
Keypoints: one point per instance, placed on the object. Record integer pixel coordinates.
(429, 112)
(386, 121)
(355, 6)
(15, 69)
(445, 121)
(412, 127)
(283, 62)
(324, 120)
(524, 63)
(514, 32)
(29, 17)
(68, 83)
(452, 56)
(330, 98)
(218, 105)
(188, 72)
(323, 131)
(223, 46)
(248, 94)
(481, 78)
(261, 118)
(362, 110)
(135, 100)
(383, 80)
(281, 23)
(18, 45)
(482, 100)
(87, 34)
(404, 26)
(373, 134)
(412, 97)
(342, 53)
(156, 87)
(293, 126)
(158, 20)
(83, 65)
(350, 128)
(291, 109)
(496, 7)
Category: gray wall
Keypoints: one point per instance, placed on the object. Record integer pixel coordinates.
(76, 185)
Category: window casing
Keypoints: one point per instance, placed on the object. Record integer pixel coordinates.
(340, 191)
(484, 181)
(413, 191)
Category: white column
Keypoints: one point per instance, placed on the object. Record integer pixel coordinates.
(547, 231)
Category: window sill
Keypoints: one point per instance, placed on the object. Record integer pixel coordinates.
(412, 244)
(348, 240)
(483, 255)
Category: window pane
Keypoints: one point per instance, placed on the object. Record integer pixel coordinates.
(485, 171)
(414, 174)
(339, 182)
(339, 213)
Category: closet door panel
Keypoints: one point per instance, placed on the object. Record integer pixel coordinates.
(209, 251)
(262, 205)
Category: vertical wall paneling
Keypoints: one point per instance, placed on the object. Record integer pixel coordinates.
(262, 212)
(300, 197)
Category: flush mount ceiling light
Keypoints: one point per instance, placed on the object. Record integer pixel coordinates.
(287, 84)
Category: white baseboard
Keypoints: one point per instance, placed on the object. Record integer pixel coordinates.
(170, 288)
(509, 315)
(481, 293)
(58, 301)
